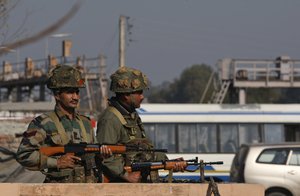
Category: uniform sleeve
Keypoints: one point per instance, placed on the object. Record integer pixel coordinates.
(28, 154)
(109, 132)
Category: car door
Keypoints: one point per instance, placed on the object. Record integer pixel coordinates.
(269, 168)
(292, 171)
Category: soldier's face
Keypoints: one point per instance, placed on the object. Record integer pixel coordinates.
(68, 97)
(137, 98)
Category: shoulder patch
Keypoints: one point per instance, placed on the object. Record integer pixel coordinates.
(29, 133)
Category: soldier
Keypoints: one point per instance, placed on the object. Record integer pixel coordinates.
(62, 126)
(121, 124)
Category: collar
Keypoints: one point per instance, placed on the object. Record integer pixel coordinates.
(62, 115)
(121, 107)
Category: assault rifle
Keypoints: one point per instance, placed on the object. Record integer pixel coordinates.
(83, 148)
(146, 167)
(87, 151)
(168, 165)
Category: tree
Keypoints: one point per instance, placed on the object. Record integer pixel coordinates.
(4, 12)
(187, 89)
(6, 8)
(158, 94)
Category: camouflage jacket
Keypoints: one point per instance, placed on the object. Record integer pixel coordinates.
(42, 131)
(113, 129)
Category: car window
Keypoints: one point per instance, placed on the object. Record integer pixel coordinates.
(295, 158)
(273, 156)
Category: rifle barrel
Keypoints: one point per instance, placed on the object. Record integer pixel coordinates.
(207, 163)
(214, 163)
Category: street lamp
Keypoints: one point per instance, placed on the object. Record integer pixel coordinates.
(6, 49)
(58, 35)
(9, 50)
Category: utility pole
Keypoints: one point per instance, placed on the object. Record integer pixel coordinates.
(103, 82)
(87, 83)
(122, 21)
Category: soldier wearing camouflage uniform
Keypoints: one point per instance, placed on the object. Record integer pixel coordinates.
(121, 124)
(62, 126)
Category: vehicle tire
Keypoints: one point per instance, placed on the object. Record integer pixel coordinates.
(277, 193)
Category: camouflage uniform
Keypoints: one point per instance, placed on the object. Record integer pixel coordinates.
(121, 125)
(55, 128)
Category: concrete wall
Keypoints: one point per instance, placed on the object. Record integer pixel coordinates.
(125, 189)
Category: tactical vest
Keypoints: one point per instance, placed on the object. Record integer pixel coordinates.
(79, 174)
(131, 125)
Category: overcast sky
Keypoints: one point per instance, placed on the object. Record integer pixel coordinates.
(168, 35)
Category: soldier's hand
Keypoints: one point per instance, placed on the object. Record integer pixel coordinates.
(67, 161)
(105, 151)
(180, 165)
(132, 177)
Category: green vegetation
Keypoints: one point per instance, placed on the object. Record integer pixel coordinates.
(187, 89)
(193, 81)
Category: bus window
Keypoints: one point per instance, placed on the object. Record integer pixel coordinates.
(228, 137)
(162, 135)
(273, 133)
(207, 137)
(249, 133)
(197, 138)
(292, 132)
(187, 138)
(150, 131)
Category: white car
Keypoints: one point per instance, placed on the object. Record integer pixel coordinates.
(275, 166)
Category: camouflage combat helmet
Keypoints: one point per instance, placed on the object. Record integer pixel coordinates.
(65, 76)
(128, 80)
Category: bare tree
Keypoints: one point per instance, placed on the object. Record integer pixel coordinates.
(6, 7)
(4, 11)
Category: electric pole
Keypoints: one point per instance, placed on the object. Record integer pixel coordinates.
(103, 82)
(122, 21)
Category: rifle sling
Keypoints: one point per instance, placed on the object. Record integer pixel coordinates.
(118, 114)
(121, 118)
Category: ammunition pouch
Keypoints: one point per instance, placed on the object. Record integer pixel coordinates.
(92, 172)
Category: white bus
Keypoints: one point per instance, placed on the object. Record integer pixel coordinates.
(214, 132)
